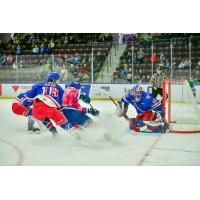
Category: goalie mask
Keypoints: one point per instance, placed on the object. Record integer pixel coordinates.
(137, 92)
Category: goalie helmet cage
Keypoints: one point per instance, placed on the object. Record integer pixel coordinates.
(180, 107)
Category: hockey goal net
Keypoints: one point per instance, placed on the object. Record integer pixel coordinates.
(180, 107)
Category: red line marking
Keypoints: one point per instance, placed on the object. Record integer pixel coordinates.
(141, 162)
(20, 154)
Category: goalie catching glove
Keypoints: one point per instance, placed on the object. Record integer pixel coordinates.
(93, 111)
(122, 108)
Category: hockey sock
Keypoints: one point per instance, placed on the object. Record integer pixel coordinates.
(47, 123)
(30, 124)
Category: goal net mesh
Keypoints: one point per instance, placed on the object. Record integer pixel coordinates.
(181, 108)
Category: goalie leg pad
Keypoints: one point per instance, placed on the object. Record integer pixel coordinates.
(147, 126)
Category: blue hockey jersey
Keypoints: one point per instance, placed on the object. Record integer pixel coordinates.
(145, 103)
(49, 89)
(24, 100)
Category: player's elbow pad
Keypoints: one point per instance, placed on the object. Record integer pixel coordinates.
(27, 103)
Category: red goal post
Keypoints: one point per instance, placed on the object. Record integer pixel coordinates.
(180, 107)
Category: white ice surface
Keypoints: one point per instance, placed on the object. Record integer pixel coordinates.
(17, 147)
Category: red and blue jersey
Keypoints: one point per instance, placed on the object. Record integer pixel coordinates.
(143, 103)
(51, 90)
(70, 99)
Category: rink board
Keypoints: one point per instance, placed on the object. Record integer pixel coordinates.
(95, 91)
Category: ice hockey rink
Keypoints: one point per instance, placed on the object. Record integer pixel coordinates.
(123, 148)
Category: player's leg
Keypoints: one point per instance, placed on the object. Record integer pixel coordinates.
(147, 116)
(154, 92)
(41, 111)
(33, 124)
(77, 117)
(58, 117)
(49, 125)
(25, 111)
(160, 91)
(19, 109)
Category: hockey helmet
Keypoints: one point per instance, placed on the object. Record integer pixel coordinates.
(52, 76)
(75, 84)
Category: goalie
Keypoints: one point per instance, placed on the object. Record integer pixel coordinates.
(150, 117)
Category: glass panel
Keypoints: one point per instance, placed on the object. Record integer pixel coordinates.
(107, 62)
(195, 58)
(181, 63)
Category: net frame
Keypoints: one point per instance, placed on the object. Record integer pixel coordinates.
(167, 106)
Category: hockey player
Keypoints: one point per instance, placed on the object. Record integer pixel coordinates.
(72, 110)
(47, 102)
(148, 110)
(156, 82)
(22, 106)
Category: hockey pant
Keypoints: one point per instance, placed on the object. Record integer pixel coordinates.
(147, 116)
(77, 117)
(41, 111)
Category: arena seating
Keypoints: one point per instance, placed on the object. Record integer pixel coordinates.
(180, 52)
(29, 65)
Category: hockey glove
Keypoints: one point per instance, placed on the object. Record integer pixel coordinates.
(85, 98)
(93, 111)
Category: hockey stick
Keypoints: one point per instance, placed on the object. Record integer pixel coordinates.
(91, 105)
(124, 115)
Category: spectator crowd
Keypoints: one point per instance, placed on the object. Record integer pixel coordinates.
(69, 54)
(138, 54)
